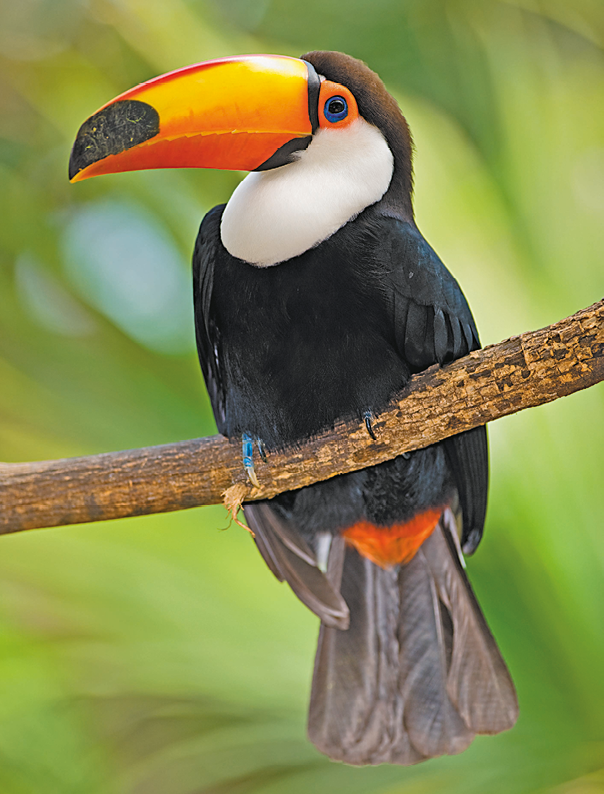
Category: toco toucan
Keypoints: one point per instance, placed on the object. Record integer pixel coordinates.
(316, 298)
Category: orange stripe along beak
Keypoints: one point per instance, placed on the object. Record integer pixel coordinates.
(245, 113)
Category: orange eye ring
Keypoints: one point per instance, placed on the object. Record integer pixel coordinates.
(343, 103)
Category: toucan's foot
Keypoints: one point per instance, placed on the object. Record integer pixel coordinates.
(261, 449)
(367, 416)
(247, 448)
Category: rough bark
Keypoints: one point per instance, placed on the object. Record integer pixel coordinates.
(519, 373)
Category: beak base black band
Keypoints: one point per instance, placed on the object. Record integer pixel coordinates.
(314, 86)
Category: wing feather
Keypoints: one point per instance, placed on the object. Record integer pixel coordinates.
(206, 251)
(290, 558)
(433, 324)
(468, 458)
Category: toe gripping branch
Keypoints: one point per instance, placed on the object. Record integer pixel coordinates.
(237, 493)
(368, 416)
(247, 445)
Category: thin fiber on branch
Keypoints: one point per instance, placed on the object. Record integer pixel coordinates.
(519, 373)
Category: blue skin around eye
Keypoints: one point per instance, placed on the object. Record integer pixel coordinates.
(333, 117)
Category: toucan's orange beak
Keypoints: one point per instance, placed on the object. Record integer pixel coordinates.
(245, 113)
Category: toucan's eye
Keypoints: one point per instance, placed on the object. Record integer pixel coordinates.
(336, 109)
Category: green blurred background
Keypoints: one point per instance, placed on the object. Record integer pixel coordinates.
(158, 655)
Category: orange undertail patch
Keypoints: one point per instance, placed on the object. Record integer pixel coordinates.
(387, 546)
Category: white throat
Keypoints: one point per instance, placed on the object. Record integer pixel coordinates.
(275, 215)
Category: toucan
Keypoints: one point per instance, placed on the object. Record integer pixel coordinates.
(316, 298)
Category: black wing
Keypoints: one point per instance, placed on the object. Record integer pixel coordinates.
(433, 324)
(207, 249)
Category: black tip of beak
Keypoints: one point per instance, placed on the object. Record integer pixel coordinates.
(114, 129)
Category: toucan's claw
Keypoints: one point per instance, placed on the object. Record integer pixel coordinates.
(367, 416)
(261, 449)
(248, 459)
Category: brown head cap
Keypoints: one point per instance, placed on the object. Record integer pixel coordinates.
(379, 108)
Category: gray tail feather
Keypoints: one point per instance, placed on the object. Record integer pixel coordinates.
(418, 673)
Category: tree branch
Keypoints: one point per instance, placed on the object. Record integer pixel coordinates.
(521, 372)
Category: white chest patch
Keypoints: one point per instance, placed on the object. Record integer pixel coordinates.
(275, 215)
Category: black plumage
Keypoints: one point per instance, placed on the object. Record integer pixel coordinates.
(375, 285)
(348, 322)
(288, 350)
(406, 667)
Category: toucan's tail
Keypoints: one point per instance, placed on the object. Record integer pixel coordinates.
(418, 673)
